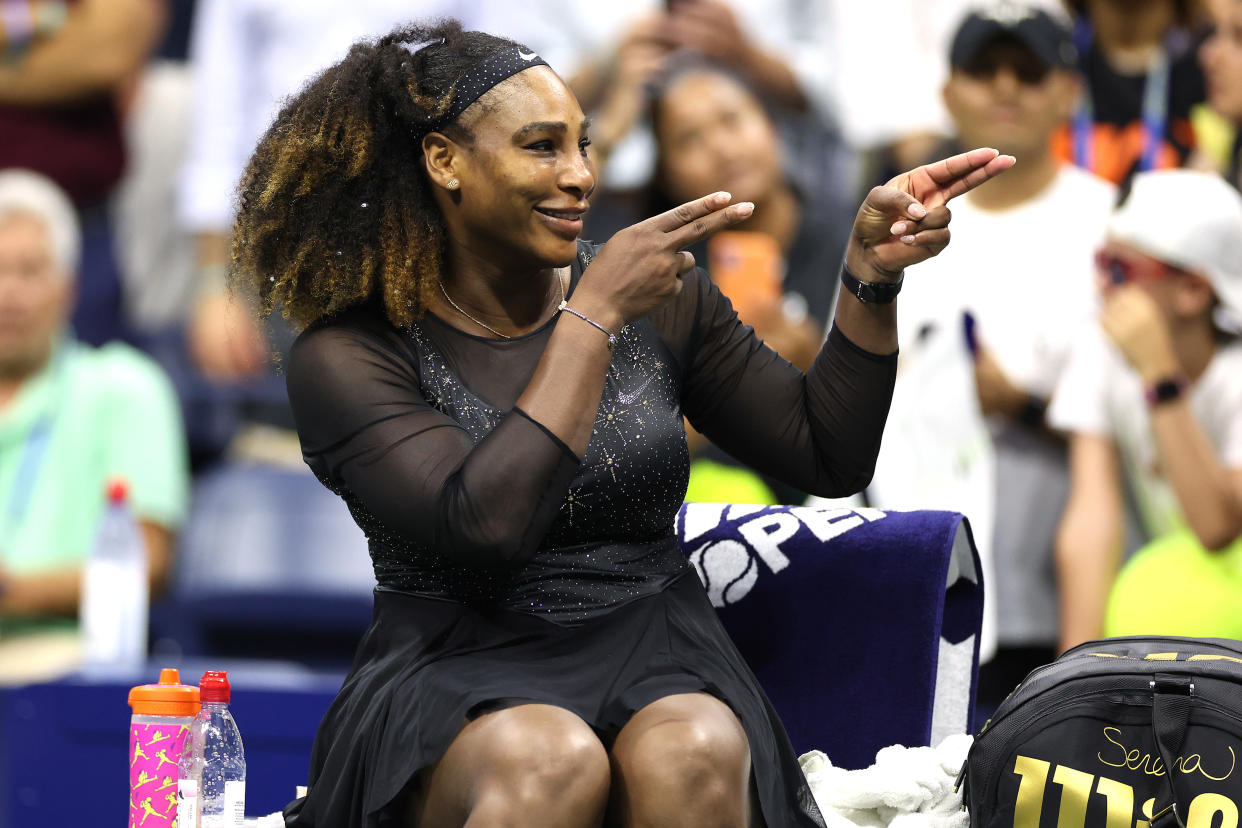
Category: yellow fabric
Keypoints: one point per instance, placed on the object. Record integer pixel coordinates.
(1173, 586)
(1214, 134)
(712, 482)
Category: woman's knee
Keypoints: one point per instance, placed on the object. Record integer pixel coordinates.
(526, 765)
(700, 751)
(693, 756)
(537, 752)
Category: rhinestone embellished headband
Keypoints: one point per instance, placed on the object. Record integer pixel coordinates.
(481, 77)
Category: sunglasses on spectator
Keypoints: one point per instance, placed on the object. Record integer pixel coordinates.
(1027, 67)
(1121, 270)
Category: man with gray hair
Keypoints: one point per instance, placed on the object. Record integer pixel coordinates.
(71, 418)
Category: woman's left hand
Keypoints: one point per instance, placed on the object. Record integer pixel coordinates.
(906, 221)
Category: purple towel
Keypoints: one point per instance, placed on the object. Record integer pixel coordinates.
(862, 625)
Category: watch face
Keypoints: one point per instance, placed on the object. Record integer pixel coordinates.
(1165, 390)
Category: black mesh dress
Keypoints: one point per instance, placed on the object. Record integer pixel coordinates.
(510, 569)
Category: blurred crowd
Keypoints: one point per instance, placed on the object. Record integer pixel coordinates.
(1070, 376)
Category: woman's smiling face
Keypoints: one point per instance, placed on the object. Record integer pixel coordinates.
(525, 176)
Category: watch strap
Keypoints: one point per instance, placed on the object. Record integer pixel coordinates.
(1165, 390)
(878, 293)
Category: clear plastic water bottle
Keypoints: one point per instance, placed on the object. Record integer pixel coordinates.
(190, 773)
(115, 591)
(222, 772)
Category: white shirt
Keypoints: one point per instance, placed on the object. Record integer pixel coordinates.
(1026, 274)
(1101, 394)
(247, 56)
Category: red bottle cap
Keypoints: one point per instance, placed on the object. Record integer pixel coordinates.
(118, 490)
(168, 698)
(214, 686)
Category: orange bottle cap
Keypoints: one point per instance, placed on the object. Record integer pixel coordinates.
(168, 698)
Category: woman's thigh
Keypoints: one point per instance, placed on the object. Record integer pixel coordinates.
(683, 760)
(531, 759)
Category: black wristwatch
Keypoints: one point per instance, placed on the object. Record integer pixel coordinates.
(879, 293)
(1165, 390)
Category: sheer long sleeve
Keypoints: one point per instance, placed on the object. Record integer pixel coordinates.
(369, 433)
(819, 432)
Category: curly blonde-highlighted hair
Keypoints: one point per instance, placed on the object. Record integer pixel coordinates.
(334, 207)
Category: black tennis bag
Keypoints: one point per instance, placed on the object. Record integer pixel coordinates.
(1141, 732)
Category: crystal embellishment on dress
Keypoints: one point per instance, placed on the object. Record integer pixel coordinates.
(636, 458)
(631, 397)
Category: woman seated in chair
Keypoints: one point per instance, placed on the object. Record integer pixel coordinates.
(500, 405)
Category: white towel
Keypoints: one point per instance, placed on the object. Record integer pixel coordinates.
(905, 788)
(276, 820)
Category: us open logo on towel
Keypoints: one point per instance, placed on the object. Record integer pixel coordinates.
(743, 537)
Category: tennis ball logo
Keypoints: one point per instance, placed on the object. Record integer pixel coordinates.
(727, 570)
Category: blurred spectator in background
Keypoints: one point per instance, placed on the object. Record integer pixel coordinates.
(65, 68)
(1153, 398)
(71, 418)
(984, 344)
(247, 56)
(1013, 85)
(1221, 58)
(154, 252)
(713, 133)
(892, 138)
(253, 494)
(1143, 83)
(611, 51)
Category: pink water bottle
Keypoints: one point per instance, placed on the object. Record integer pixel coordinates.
(157, 732)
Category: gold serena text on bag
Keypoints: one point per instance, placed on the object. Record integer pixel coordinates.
(1207, 810)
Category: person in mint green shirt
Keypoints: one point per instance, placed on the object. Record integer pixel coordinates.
(72, 417)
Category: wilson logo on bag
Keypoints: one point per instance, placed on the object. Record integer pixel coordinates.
(1142, 732)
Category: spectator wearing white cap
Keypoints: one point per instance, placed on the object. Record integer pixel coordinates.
(1154, 404)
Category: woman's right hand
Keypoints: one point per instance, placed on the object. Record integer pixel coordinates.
(640, 267)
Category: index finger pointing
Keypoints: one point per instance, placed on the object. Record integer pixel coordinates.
(683, 214)
(954, 167)
(961, 173)
(978, 175)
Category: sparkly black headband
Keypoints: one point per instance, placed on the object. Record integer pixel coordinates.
(485, 74)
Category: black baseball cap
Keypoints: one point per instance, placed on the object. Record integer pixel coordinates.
(1031, 26)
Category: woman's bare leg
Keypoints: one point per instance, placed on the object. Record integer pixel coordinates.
(682, 762)
(531, 765)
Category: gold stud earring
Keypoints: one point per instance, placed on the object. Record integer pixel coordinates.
(453, 183)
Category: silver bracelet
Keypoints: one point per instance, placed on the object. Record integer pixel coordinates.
(612, 338)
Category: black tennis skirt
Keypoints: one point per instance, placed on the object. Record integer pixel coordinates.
(425, 666)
